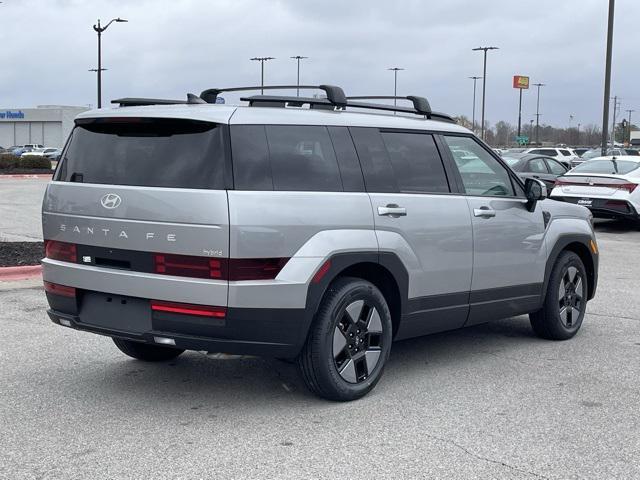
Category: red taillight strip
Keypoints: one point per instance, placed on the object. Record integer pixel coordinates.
(188, 309)
(55, 250)
(61, 290)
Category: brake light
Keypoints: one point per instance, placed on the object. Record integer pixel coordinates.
(188, 309)
(61, 290)
(67, 252)
(629, 187)
(190, 266)
(234, 269)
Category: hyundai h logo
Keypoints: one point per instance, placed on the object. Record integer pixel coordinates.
(111, 201)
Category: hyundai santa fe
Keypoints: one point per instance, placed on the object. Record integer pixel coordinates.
(320, 229)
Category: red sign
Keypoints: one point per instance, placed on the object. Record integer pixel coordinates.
(520, 81)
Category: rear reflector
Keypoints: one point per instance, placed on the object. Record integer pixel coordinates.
(61, 290)
(188, 309)
(322, 271)
(67, 252)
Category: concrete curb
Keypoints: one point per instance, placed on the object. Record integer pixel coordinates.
(13, 176)
(11, 274)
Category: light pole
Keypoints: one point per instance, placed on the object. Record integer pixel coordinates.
(99, 29)
(298, 58)
(262, 60)
(607, 78)
(629, 124)
(530, 130)
(395, 71)
(616, 104)
(538, 85)
(484, 82)
(578, 141)
(473, 121)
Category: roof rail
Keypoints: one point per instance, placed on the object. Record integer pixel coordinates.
(323, 103)
(420, 104)
(192, 99)
(335, 95)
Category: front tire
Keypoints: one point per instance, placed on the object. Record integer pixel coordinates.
(145, 351)
(349, 341)
(565, 302)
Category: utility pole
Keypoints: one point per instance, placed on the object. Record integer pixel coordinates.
(395, 71)
(99, 29)
(539, 85)
(616, 104)
(629, 124)
(578, 141)
(484, 82)
(262, 60)
(298, 58)
(473, 121)
(607, 77)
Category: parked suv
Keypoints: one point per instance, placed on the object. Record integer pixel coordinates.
(319, 231)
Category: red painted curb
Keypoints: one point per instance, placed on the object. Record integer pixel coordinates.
(9, 274)
(13, 176)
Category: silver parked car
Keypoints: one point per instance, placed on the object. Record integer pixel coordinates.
(317, 230)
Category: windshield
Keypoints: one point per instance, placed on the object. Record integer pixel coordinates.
(612, 167)
(145, 152)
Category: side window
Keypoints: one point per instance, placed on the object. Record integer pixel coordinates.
(482, 174)
(549, 151)
(566, 153)
(302, 159)
(555, 167)
(535, 152)
(251, 169)
(378, 174)
(348, 162)
(537, 165)
(416, 162)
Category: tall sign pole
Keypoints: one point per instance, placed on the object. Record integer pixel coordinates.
(520, 82)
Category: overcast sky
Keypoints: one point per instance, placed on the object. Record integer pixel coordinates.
(172, 47)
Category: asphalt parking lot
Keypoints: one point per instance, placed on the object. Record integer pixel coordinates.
(491, 401)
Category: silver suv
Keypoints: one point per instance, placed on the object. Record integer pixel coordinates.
(321, 229)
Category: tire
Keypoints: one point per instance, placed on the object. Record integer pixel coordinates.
(349, 341)
(561, 316)
(145, 351)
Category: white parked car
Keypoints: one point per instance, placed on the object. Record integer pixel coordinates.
(563, 155)
(608, 186)
(44, 152)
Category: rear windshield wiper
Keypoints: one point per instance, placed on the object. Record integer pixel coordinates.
(76, 177)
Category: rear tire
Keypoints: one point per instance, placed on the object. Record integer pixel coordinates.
(565, 302)
(145, 351)
(349, 341)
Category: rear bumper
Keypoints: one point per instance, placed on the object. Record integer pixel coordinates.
(262, 332)
(605, 208)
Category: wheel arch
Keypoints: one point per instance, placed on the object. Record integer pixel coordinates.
(580, 245)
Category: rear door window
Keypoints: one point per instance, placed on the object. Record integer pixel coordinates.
(556, 167)
(374, 158)
(416, 162)
(537, 165)
(148, 152)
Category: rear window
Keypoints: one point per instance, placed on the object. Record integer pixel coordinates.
(145, 152)
(611, 167)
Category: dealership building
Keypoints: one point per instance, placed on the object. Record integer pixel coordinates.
(48, 125)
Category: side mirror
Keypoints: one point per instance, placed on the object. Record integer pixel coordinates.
(534, 190)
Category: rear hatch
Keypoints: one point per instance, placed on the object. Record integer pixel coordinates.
(143, 203)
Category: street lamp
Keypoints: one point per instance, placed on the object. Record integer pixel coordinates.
(262, 60)
(473, 121)
(298, 58)
(607, 79)
(99, 29)
(484, 81)
(395, 71)
(629, 124)
(539, 85)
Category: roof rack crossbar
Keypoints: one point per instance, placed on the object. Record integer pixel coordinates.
(335, 95)
(262, 100)
(420, 104)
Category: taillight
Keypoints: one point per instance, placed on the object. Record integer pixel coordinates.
(61, 290)
(629, 187)
(255, 268)
(67, 252)
(190, 266)
(234, 269)
(188, 309)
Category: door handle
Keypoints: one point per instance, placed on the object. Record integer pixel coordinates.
(484, 212)
(392, 210)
